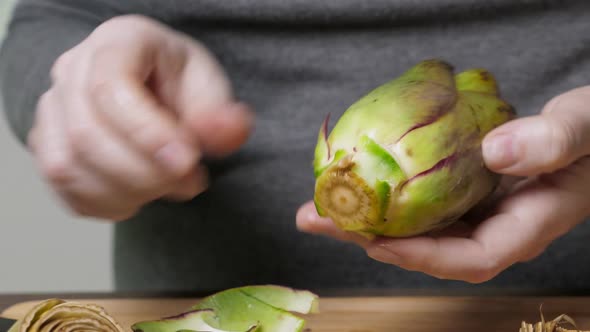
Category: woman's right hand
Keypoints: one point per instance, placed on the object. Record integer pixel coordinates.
(131, 111)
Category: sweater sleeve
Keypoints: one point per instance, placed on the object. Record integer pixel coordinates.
(39, 32)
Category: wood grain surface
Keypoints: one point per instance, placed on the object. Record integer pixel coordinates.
(379, 314)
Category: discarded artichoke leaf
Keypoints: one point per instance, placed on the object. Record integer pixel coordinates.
(558, 324)
(188, 321)
(262, 308)
(56, 315)
(237, 310)
(285, 298)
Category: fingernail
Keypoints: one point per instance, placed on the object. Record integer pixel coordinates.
(384, 255)
(175, 156)
(499, 151)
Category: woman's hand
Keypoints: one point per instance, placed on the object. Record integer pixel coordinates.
(550, 155)
(131, 111)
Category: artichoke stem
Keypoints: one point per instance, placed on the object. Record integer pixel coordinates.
(346, 198)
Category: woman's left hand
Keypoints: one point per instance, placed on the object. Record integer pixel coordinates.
(550, 153)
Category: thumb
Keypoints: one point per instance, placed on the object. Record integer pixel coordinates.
(544, 143)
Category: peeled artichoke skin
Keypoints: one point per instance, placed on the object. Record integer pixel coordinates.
(248, 308)
(406, 158)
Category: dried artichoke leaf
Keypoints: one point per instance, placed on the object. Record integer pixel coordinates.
(58, 315)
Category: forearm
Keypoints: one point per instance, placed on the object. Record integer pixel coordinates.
(40, 31)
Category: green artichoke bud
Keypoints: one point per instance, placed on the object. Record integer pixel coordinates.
(406, 158)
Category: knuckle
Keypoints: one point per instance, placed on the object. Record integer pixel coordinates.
(123, 215)
(135, 20)
(101, 89)
(118, 217)
(61, 66)
(479, 277)
(197, 190)
(130, 26)
(81, 138)
(81, 210)
(430, 262)
(113, 212)
(32, 138)
(75, 202)
(484, 272)
(97, 206)
(151, 137)
(200, 182)
(567, 132)
(187, 192)
(565, 140)
(532, 255)
(177, 172)
(57, 171)
(44, 102)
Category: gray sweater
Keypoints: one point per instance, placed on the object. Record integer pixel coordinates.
(295, 61)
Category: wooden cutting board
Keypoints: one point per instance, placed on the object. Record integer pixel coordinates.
(380, 314)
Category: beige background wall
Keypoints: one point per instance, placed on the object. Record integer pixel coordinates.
(42, 247)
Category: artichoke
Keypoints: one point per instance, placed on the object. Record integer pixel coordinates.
(405, 159)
